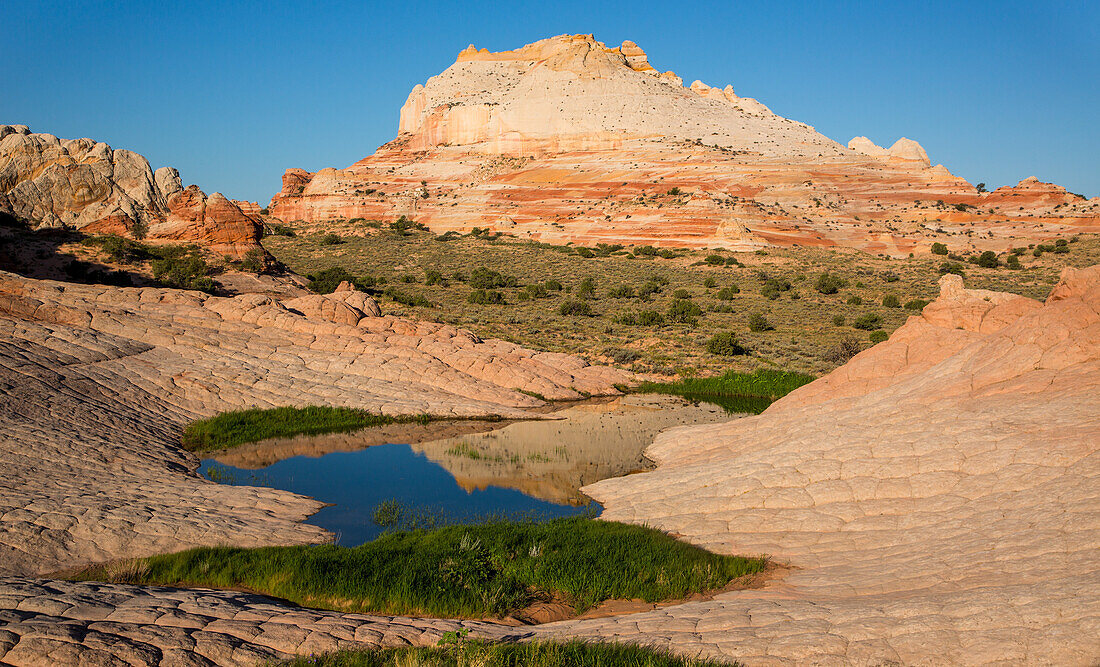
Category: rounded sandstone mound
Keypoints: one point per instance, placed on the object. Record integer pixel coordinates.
(937, 495)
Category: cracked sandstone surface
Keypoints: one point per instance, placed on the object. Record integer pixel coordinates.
(936, 495)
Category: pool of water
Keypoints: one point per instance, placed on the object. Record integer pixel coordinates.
(461, 471)
(357, 482)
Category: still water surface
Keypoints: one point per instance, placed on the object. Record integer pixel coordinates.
(463, 470)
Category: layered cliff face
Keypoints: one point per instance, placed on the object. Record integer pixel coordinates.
(87, 185)
(568, 139)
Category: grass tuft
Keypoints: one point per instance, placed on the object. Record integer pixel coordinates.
(237, 428)
(737, 392)
(464, 652)
(472, 571)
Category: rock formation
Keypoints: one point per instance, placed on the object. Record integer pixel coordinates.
(936, 495)
(98, 381)
(568, 139)
(88, 623)
(87, 185)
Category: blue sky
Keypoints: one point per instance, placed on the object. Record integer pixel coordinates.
(234, 93)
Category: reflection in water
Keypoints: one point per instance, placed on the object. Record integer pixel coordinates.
(465, 469)
(356, 482)
(552, 460)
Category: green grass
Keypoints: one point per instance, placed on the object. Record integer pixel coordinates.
(236, 428)
(736, 392)
(460, 652)
(472, 571)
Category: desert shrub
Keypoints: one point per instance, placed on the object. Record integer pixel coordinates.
(140, 229)
(666, 254)
(587, 288)
(184, 272)
(645, 251)
(648, 318)
(891, 301)
(484, 278)
(331, 239)
(868, 322)
(279, 230)
(674, 192)
(773, 287)
(720, 308)
(725, 344)
(828, 283)
(988, 260)
(890, 277)
(715, 260)
(325, 282)
(403, 224)
(621, 292)
(681, 294)
(576, 308)
(605, 249)
(620, 356)
(1012, 262)
(843, 351)
(855, 301)
(535, 291)
(553, 285)
(758, 323)
(939, 249)
(838, 320)
(409, 279)
(733, 261)
(710, 282)
(878, 336)
(120, 249)
(653, 285)
(254, 261)
(407, 299)
(433, 277)
(684, 311)
(585, 252)
(727, 293)
(952, 267)
(916, 304)
(486, 297)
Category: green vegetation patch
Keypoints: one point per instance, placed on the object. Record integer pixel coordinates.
(751, 392)
(474, 571)
(455, 650)
(230, 429)
(179, 266)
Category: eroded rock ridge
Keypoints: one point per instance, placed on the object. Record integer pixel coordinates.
(87, 185)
